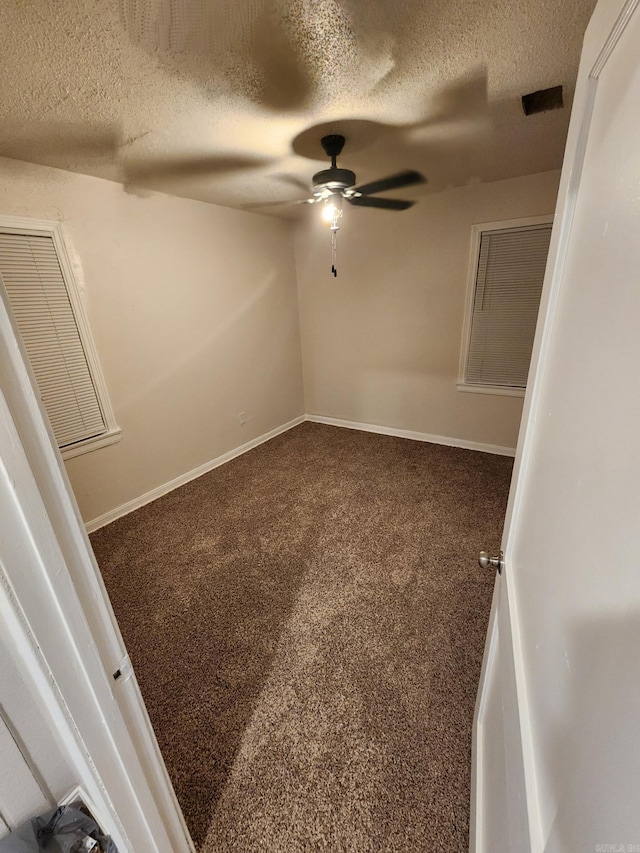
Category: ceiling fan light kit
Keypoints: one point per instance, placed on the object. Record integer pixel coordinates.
(331, 186)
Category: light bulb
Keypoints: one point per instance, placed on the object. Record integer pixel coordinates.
(329, 211)
(332, 211)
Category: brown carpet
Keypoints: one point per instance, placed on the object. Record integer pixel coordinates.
(307, 625)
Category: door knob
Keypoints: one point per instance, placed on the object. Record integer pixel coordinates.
(485, 561)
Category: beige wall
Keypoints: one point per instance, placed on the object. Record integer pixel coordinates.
(195, 317)
(194, 313)
(381, 343)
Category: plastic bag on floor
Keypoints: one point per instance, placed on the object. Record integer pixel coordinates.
(63, 830)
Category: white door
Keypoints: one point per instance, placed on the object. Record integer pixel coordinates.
(66, 719)
(557, 729)
(32, 778)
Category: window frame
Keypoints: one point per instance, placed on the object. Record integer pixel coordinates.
(477, 231)
(53, 229)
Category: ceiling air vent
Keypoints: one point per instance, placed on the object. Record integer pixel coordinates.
(543, 100)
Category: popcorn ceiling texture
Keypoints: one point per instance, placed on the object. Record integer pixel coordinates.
(88, 85)
(307, 626)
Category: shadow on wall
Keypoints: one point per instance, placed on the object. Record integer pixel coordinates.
(398, 399)
(223, 337)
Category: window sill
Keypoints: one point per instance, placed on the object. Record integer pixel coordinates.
(90, 444)
(497, 390)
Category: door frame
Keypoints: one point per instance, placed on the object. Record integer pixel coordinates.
(610, 17)
(66, 635)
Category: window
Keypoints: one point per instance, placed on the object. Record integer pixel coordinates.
(38, 278)
(507, 266)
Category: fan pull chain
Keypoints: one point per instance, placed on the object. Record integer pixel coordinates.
(334, 251)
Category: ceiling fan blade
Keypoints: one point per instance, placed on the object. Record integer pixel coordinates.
(403, 179)
(382, 203)
(260, 204)
(186, 167)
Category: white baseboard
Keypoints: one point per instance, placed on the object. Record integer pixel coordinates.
(415, 436)
(136, 503)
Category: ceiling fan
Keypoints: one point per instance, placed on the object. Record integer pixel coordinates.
(332, 186)
(335, 182)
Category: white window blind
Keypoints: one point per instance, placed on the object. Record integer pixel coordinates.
(38, 294)
(511, 266)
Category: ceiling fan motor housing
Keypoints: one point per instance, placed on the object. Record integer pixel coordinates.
(334, 179)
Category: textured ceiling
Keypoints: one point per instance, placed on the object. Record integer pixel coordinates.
(240, 91)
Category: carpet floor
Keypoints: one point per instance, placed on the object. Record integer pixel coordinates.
(307, 625)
